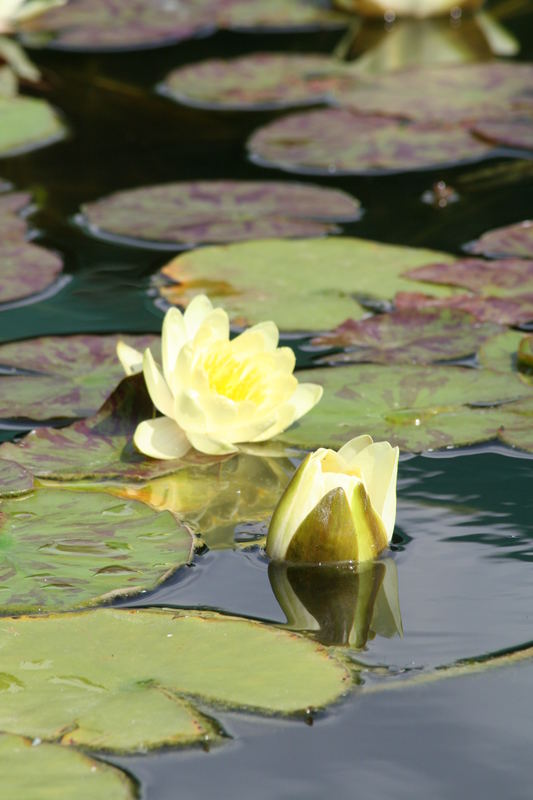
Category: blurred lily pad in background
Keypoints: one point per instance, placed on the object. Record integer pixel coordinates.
(184, 214)
(27, 123)
(510, 241)
(511, 310)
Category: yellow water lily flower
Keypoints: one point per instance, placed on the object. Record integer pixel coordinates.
(338, 506)
(215, 393)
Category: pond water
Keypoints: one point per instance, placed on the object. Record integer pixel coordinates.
(462, 555)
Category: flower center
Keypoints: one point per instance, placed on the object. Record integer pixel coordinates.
(232, 376)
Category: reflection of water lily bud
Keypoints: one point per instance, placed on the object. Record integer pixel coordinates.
(338, 506)
(342, 604)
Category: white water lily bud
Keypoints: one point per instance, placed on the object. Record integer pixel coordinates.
(338, 506)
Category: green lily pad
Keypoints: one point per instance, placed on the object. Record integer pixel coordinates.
(417, 408)
(25, 268)
(408, 337)
(337, 141)
(256, 81)
(515, 130)
(62, 549)
(313, 284)
(100, 446)
(41, 771)
(516, 427)
(509, 241)
(27, 123)
(63, 376)
(130, 24)
(525, 351)
(501, 278)
(500, 352)
(148, 661)
(14, 479)
(218, 211)
(447, 94)
(511, 310)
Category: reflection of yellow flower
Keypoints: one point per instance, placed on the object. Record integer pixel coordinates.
(338, 506)
(215, 393)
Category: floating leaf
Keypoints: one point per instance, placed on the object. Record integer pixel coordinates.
(447, 94)
(502, 278)
(337, 141)
(14, 479)
(218, 211)
(63, 548)
(27, 123)
(514, 130)
(512, 310)
(525, 351)
(25, 269)
(408, 337)
(130, 24)
(417, 408)
(61, 376)
(516, 427)
(148, 660)
(38, 771)
(499, 352)
(511, 240)
(313, 284)
(256, 81)
(100, 446)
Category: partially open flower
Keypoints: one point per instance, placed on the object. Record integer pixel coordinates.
(338, 506)
(215, 393)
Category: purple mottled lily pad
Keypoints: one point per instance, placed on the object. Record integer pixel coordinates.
(60, 376)
(333, 141)
(219, 211)
(511, 310)
(513, 130)
(447, 94)
(408, 337)
(129, 24)
(510, 241)
(14, 479)
(25, 268)
(27, 123)
(100, 446)
(496, 278)
(257, 81)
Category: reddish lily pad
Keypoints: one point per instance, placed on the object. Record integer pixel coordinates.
(100, 446)
(502, 278)
(512, 310)
(446, 94)
(408, 337)
(62, 376)
(257, 81)
(27, 123)
(515, 130)
(510, 241)
(337, 141)
(418, 408)
(14, 479)
(25, 268)
(218, 211)
(131, 24)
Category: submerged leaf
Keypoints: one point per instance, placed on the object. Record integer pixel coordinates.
(218, 211)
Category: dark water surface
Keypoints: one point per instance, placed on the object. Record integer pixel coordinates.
(464, 544)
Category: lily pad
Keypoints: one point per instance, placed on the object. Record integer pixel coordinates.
(510, 241)
(100, 446)
(131, 24)
(446, 94)
(525, 351)
(502, 278)
(14, 479)
(41, 771)
(515, 130)
(500, 352)
(417, 408)
(57, 691)
(258, 81)
(512, 310)
(313, 284)
(61, 376)
(408, 337)
(218, 211)
(516, 427)
(25, 268)
(27, 123)
(63, 549)
(337, 141)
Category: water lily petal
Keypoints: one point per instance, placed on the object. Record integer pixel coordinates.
(213, 447)
(173, 337)
(305, 397)
(260, 337)
(379, 466)
(130, 358)
(188, 413)
(156, 385)
(161, 438)
(195, 313)
(352, 448)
